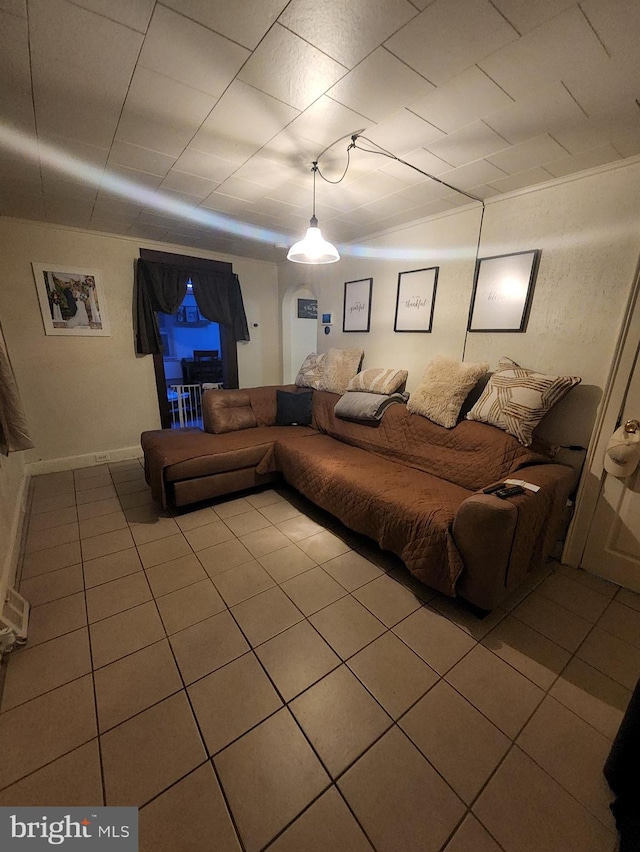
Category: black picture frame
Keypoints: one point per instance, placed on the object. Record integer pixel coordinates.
(502, 294)
(308, 309)
(416, 300)
(356, 309)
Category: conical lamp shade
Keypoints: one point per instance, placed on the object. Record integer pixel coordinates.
(313, 248)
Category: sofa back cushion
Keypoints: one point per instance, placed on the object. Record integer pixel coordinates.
(470, 455)
(227, 411)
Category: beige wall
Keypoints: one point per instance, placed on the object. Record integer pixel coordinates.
(587, 230)
(85, 395)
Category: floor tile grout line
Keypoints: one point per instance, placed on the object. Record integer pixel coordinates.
(202, 738)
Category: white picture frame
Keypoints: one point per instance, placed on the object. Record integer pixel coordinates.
(72, 300)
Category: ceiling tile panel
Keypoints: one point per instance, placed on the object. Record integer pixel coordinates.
(244, 189)
(190, 53)
(586, 160)
(600, 129)
(472, 174)
(527, 155)
(244, 21)
(261, 170)
(379, 85)
(362, 190)
(197, 187)
(425, 192)
(26, 207)
(326, 120)
(132, 14)
(293, 193)
(137, 179)
(14, 167)
(525, 15)
(62, 32)
(155, 135)
(289, 149)
(14, 7)
(468, 144)
(387, 206)
(522, 180)
(204, 165)
(16, 104)
(565, 45)
(617, 23)
(86, 122)
(449, 36)
(134, 157)
(420, 158)
(627, 145)
(550, 107)
(597, 88)
(224, 203)
(290, 69)
(461, 100)
(155, 96)
(346, 31)
(402, 132)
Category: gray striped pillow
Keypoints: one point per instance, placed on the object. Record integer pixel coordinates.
(516, 399)
(378, 380)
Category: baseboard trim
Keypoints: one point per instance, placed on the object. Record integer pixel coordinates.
(85, 460)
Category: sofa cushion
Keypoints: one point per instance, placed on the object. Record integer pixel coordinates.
(310, 373)
(293, 409)
(406, 511)
(339, 367)
(516, 399)
(228, 412)
(378, 380)
(444, 388)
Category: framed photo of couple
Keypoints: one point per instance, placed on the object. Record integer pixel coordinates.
(71, 300)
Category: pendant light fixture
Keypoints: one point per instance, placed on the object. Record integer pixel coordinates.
(313, 248)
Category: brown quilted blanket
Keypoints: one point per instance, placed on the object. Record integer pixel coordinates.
(406, 511)
(470, 455)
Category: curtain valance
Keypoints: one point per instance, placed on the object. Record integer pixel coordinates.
(163, 286)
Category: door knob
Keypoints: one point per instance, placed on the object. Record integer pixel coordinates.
(632, 426)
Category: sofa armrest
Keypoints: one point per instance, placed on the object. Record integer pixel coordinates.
(500, 541)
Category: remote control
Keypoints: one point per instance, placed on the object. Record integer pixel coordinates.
(511, 491)
(491, 489)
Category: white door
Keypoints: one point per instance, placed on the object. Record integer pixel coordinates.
(613, 545)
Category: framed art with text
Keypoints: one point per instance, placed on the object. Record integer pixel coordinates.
(503, 291)
(357, 305)
(416, 300)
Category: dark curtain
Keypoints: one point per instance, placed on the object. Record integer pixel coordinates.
(163, 286)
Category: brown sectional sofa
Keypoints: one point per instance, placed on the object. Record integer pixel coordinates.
(412, 486)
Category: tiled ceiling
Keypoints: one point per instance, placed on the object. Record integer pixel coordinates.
(196, 121)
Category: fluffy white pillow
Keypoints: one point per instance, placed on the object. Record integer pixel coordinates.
(516, 399)
(339, 367)
(444, 388)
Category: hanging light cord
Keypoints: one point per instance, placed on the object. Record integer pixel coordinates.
(378, 149)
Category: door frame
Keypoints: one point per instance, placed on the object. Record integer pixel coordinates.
(228, 344)
(607, 421)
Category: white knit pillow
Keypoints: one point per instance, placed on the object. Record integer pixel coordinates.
(378, 380)
(310, 373)
(444, 388)
(516, 399)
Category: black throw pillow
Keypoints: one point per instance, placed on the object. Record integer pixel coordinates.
(293, 409)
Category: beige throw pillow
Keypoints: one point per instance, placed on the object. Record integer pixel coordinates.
(444, 388)
(310, 374)
(339, 367)
(516, 399)
(378, 380)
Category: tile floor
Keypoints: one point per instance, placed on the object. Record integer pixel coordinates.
(252, 676)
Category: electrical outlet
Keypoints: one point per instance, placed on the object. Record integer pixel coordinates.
(102, 457)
